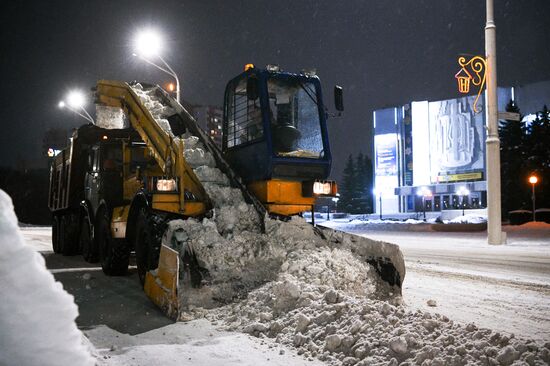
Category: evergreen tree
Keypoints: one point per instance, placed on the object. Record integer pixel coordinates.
(512, 162)
(369, 183)
(348, 187)
(538, 155)
(364, 184)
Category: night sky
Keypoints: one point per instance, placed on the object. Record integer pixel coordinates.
(383, 53)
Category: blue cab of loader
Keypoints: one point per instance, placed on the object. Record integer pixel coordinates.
(275, 137)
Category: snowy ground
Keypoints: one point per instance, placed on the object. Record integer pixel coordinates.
(505, 288)
(139, 334)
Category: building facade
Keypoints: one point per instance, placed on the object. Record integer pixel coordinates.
(430, 155)
(209, 119)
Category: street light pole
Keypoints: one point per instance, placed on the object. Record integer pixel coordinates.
(494, 225)
(380, 200)
(167, 69)
(533, 180)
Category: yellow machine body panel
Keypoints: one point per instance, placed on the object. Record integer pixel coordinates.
(161, 285)
(282, 197)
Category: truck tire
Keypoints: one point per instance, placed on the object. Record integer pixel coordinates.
(68, 239)
(55, 235)
(86, 242)
(114, 254)
(147, 245)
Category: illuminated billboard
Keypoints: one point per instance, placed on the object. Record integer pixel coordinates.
(386, 154)
(457, 146)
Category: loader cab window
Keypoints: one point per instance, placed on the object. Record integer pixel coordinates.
(294, 114)
(244, 116)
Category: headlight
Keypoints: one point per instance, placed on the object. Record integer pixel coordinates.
(166, 185)
(321, 188)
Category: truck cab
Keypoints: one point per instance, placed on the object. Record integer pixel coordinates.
(275, 135)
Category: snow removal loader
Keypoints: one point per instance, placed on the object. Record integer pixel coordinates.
(124, 184)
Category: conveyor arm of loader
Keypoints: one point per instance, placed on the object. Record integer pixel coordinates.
(166, 149)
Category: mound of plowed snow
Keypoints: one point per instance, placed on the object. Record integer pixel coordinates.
(37, 317)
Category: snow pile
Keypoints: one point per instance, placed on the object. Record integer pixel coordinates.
(36, 315)
(110, 117)
(468, 219)
(335, 325)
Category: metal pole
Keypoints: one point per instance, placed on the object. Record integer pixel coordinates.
(494, 224)
(380, 198)
(424, 207)
(173, 73)
(533, 199)
(462, 205)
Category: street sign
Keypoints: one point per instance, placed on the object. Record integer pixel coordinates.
(511, 116)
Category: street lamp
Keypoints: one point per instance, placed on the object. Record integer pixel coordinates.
(424, 192)
(335, 201)
(378, 193)
(75, 102)
(533, 180)
(148, 44)
(462, 192)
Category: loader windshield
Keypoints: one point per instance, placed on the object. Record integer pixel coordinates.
(294, 114)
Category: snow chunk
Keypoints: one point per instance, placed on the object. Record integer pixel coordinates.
(37, 317)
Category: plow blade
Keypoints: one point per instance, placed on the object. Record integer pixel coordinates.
(386, 258)
(161, 284)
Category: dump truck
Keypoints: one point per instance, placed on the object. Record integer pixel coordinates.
(116, 188)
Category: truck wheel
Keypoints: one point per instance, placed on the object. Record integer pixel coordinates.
(147, 245)
(86, 242)
(114, 254)
(55, 235)
(68, 242)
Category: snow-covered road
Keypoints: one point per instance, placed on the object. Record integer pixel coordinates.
(506, 288)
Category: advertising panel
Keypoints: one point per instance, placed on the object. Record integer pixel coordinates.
(456, 141)
(408, 146)
(386, 154)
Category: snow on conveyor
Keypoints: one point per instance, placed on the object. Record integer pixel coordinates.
(322, 301)
(37, 317)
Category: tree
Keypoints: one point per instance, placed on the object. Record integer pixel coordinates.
(356, 185)
(513, 135)
(538, 154)
(348, 186)
(363, 194)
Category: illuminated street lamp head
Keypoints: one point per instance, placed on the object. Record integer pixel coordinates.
(61, 104)
(424, 192)
(463, 191)
(75, 99)
(533, 179)
(148, 43)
